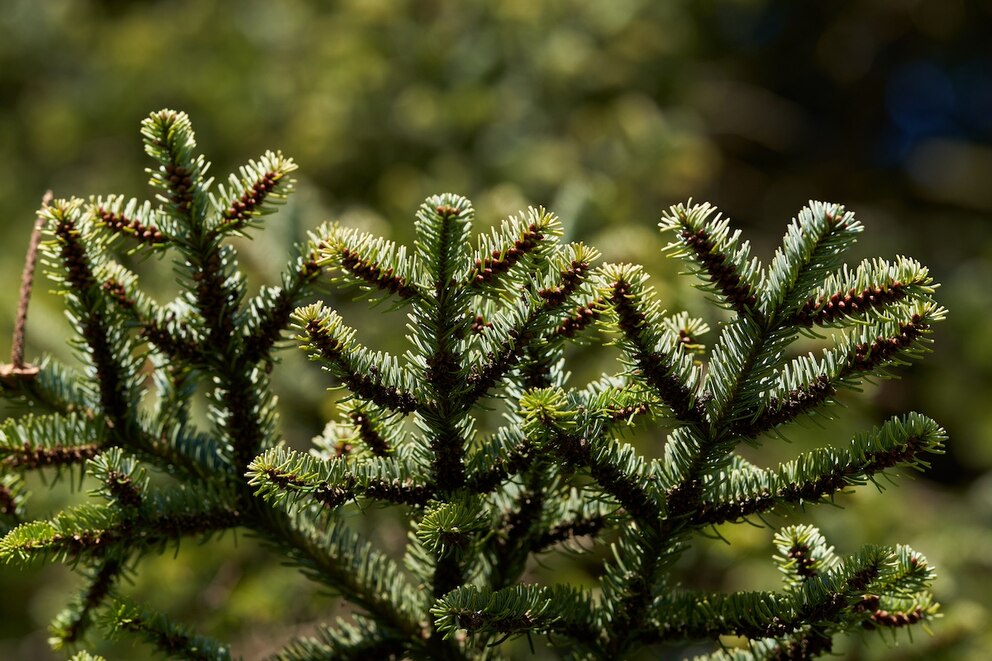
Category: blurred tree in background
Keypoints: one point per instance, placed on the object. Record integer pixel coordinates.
(605, 112)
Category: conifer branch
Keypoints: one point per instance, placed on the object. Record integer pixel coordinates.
(617, 468)
(368, 261)
(169, 639)
(129, 218)
(499, 261)
(519, 336)
(870, 354)
(169, 140)
(280, 474)
(488, 325)
(88, 532)
(261, 186)
(753, 615)
(749, 352)
(362, 639)
(242, 411)
(60, 456)
(34, 442)
(821, 473)
(706, 242)
(101, 339)
(441, 318)
(521, 242)
(375, 377)
(803, 553)
(897, 613)
(71, 624)
(866, 292)
(812, 247)
(807, 382)
(822, 603)
(659, 362)
(514, 611)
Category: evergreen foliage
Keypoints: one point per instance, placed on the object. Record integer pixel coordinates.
(489, 320)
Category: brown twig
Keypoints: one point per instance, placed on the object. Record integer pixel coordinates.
(9, 374)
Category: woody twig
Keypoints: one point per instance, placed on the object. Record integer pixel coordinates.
(16, 370)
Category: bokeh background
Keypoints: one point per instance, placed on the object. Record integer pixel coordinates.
(605, 112)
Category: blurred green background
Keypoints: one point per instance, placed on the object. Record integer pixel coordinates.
(605, 112)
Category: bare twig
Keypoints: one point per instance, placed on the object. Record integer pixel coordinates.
(9, 374)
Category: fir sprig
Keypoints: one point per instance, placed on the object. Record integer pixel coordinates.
(72, 623)
(820, 474)
(281, 474)
(55, 440)
(130, 218)
(657, 358)
(369, 261)
(253, 192)
(515, 610)
(705, 239)
(349, 641)
(168, 638)
(373, 376)
(489, 321)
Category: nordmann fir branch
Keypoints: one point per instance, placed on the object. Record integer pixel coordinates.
(821, 248)
(373, 439)
(665, 367)
(71, 624)
(705, 240)
(117, 216)
(490, 319)
(96, 330)
(121, 295)
(519, 337)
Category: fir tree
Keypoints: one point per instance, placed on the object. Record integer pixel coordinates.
(489, 321)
